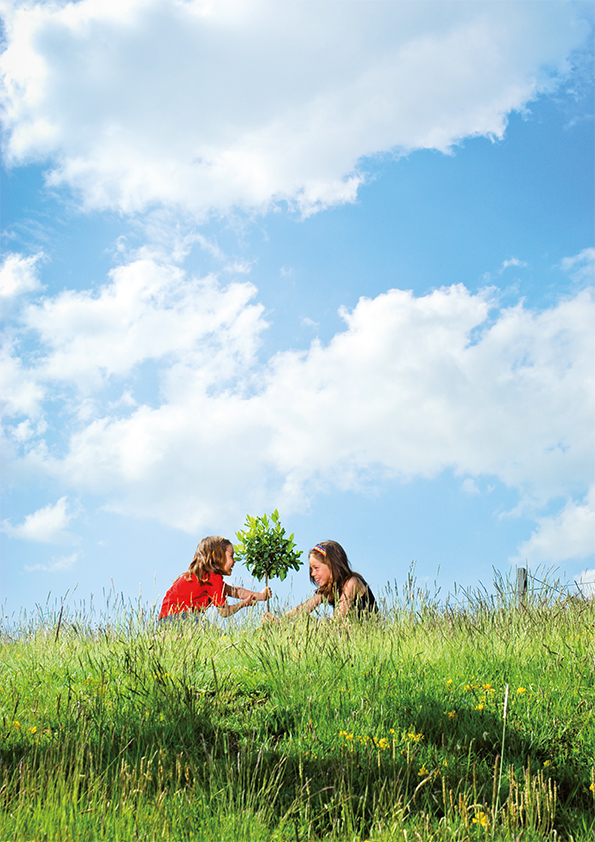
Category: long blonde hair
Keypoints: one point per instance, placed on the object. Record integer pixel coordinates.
(208, 558)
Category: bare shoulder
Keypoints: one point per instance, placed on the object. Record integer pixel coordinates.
(354, 587)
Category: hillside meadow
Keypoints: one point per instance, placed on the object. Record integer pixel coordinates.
(474, 721)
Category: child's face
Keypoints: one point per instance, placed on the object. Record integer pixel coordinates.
(229, 561)
(319, 571)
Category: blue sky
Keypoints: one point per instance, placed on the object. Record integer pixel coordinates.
(335, 259)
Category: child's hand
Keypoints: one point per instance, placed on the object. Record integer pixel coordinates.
(265, 593)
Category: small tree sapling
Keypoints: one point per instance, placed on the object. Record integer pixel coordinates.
(265, 550)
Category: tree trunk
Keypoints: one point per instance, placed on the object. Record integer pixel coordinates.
(266, 582)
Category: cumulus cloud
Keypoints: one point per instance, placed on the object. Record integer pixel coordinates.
(48, 525)
(405, 388)
(210, 106)
(412, 385)
(569, 533)
(146, 311)
(20, 392)
(18, 275)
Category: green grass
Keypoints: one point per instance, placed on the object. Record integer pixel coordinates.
(390, 729)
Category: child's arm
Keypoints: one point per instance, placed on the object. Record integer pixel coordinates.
(229, 610)
(307, 606)
(242, 593)
(246, 598)
(304, 608)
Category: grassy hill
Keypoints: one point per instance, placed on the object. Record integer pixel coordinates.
(391, 729)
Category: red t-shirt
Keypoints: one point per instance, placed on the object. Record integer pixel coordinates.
(192, 595)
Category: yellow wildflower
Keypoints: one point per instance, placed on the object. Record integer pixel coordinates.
(522, 690)
(481, 818)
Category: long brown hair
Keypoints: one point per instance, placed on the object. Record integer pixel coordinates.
(334, 556)
(208, 558)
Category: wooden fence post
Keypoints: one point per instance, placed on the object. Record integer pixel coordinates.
(521, 582)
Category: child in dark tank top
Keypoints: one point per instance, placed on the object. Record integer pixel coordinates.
(339, 585)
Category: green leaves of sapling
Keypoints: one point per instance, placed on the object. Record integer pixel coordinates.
(264, 548)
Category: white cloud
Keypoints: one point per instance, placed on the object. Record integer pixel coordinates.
(18, 275)
(403, 389)
(210, 106)
(48, 525)
(581, 267)
(412, 386)
(146, 311)
(568, 534)
(469, 486)
(20, 392)
(514, 261)
(58, 565)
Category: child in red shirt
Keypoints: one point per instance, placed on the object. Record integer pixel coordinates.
(202, 584)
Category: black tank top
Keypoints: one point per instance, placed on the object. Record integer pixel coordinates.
(364, 603)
